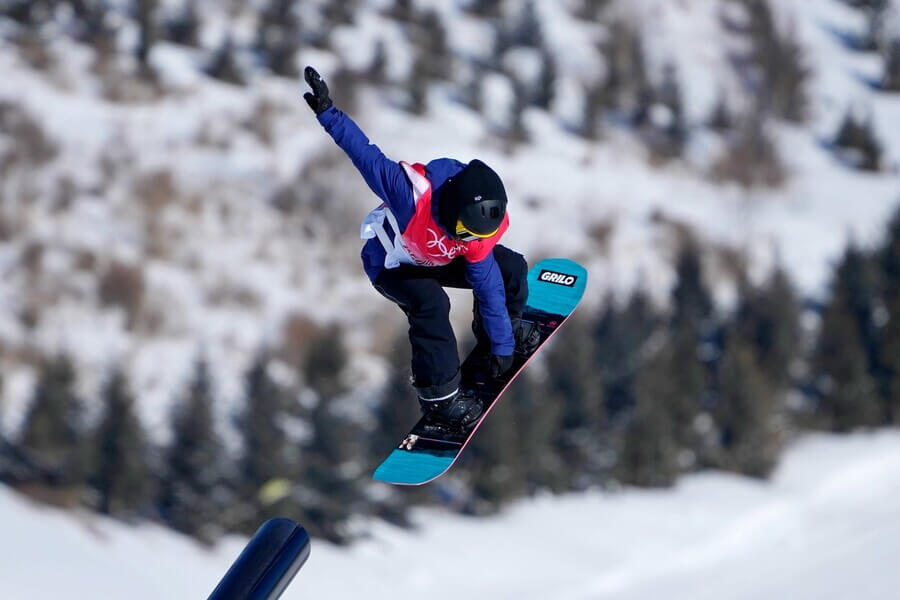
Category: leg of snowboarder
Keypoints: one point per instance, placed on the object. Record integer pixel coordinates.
(431, 215)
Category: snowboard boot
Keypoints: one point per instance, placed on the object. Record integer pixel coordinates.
(444, 405)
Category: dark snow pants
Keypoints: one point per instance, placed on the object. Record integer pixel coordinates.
(418, 291)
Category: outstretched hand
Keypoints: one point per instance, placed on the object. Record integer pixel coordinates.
(500, 365)
(318, 100)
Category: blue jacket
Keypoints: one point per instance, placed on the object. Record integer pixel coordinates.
(389, 182)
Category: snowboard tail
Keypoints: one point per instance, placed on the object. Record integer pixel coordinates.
(555, 286)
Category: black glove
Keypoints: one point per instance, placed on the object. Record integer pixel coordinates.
(500, 365)
(318, 100)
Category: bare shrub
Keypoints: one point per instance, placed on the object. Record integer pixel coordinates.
(751, 158)
(327, 195)
(286, 199)
(122, 81)
(262, 121)
(8, 226)
(230, 292)
(64, 194)
(85, 260)
(210, 135)
(35, 51)
(122, 285)
(155, 191)
(30, 146)
(152, 319)
(602, 233)
(344, 88)
(592, 10)
(296, 334)
(33, 258)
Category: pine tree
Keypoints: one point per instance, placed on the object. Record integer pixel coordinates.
(854, 290)
(627, 87)
(721, 118)
(434, 48)
(888, 257)
(849, 394)
(486, 8)
(875, 12)
(691, 300)
(538, 420)
(890, 79)
(224, 65)
(751, 157)
(52, 436)
(264, 458)
(527, 30)
(492, 462)
(856, 142)
(278, 36)
(183, 27)
(574, 384)
(395, 412)
(689, 380)
(661, 118)
(191, 491)
(621, 340)
(397, 407)
(516, 131)
(780, 72)
(27, 12)
(592, 10)
(769, 319)
(90, 22)
(649, 454)
(846, 351)
(341, 13)
(746, 412)
(331, 457)
(546, 81)
(692, 311)
(145, 13)
(377, 71)
(418, 85)
(595, 103)
(120, 470)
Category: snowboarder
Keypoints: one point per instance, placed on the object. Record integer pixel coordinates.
(438, 226)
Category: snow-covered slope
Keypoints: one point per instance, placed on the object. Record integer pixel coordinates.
(222, 270)
(826, 528)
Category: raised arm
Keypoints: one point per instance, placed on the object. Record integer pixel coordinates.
(384, 176)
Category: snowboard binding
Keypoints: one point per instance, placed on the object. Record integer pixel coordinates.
(527, 336)
(460, 412)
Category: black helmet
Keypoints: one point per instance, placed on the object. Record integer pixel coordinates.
(473, 202)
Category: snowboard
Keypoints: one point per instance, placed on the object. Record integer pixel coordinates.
(555, 286)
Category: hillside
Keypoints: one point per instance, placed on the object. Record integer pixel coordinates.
(230, 212)
(825, 528)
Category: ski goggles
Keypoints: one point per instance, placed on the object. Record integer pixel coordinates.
(467, 235)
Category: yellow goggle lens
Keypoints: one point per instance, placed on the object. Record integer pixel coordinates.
(464, 233)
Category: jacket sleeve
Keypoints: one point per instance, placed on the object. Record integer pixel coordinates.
(384, 176)
(487, 284)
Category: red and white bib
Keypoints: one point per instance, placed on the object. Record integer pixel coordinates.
(423, 243)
